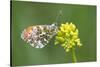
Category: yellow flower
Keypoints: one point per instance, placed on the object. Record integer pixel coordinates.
(60, 33)
(67, 36)
(72, 26)
(61, 39)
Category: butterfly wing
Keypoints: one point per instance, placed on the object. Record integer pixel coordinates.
(38, 36)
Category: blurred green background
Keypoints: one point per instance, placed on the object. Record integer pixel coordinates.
(26, 14)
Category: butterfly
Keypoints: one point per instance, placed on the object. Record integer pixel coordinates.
(39, 36)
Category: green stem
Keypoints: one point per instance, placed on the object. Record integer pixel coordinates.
(74, 55)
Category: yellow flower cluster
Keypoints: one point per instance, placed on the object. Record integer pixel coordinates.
(67, 36)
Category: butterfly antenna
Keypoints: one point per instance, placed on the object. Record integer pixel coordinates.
(58, 17)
